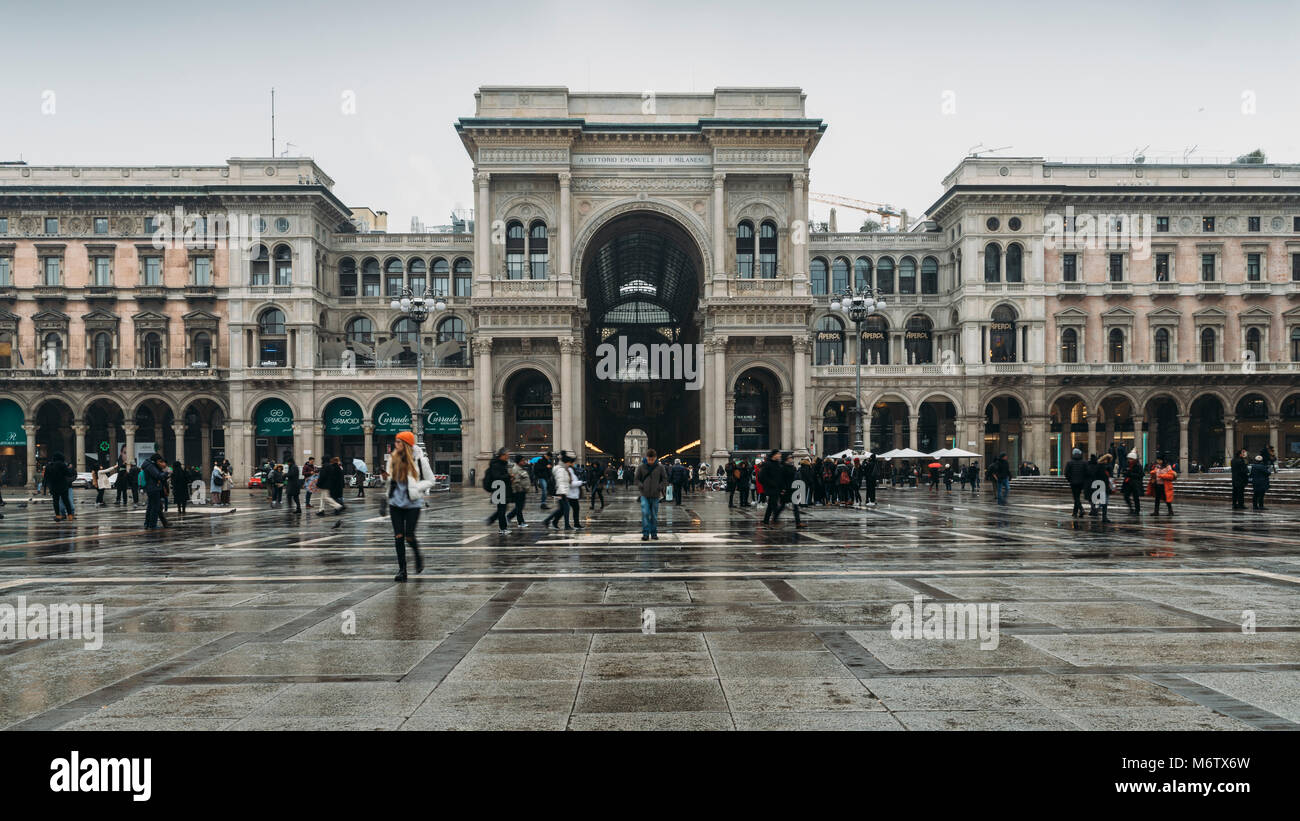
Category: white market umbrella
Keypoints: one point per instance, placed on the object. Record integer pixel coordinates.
(941, 453)
(891, 454)
(360, 465)
(961, 454)
(908, 453)
(850, 453)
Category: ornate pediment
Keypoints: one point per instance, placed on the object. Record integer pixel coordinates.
(150, 321)
(49, 320)
(100, 320)
(201, 319)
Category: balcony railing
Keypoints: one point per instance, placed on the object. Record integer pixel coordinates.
(115, 373)
(390, 371)
(751, 287)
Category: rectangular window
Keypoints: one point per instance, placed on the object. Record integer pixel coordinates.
(202, 270)
(538, 265)
(1116, 267)
(1252, 267)
(1162, 225)
(515, 265)
(52, 266)
(6, 272)
(1070, 268)
(4, 225)
(101, 225)
(1295, 267)
(152, 271)
(1295, 225)
(51, 225)
(416, 283)
(1162, 267)
(1207, 267)
(150, 225)
(103, 272)
(274, 353)
(393, 285)
(1252, 224)
(1207, 224)
(283, 272)
(463, 285)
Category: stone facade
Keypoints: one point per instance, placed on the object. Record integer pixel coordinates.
(1003, 331)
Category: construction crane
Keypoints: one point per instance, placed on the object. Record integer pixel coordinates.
(882, 210)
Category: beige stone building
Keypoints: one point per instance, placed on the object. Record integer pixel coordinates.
(1036, 307)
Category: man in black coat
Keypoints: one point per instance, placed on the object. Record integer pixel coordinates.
(1076, 473)
(1240, 475)
(58, 483)
(771, 475)
(1134, 477)
(331, 483)
(155, 480)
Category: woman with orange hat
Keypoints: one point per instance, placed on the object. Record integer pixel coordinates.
(409, 479)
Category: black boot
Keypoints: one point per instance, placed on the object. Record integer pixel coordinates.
(419, 560)
(400, 545)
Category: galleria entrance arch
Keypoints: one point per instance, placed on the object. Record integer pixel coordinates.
(642, 277)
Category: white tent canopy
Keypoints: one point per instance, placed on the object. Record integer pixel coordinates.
(850, 453)
(908, 453)
(956, 453)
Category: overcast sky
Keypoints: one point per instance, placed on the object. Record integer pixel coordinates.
(189, 83)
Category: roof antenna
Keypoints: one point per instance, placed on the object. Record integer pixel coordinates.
(272, 121)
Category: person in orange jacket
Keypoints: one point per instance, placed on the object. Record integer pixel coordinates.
(1162, 485)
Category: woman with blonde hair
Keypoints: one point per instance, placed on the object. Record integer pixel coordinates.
(409, 478)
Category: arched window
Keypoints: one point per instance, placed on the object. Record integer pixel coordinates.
(873, 346)
(1207, 345)
(1015, 256)
(830, 341)
(515, 250)
(347, 277)
(370, 277)
(929, 275)
(537, 250)
(259, 266)
(918, 340)
(817, 275)
(203, 347)
(1162, 344)
(103, 350)
(745, 249)
(1069, 345)
(1002, 335)
(394, 277)
(152, 351)
(406, 331)
(992, 263)
(463, 276)
(273, 347)
(360, 329)
(6, 350)
(415, 276)
(907, 276)
(885, 275)
(1254, 343)
(767, 249)
(450, 350)
(283, 265)
(1295, 344)
(839, 275)
(1115, 345)
(441, 277)
(862, 273)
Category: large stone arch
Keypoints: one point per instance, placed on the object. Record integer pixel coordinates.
(160, 398)
(117, 399)
(736, 367)
(686, 220)
(943, 394)
(501, 377)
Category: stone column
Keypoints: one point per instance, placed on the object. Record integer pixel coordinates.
(498, 423)
(729, 422)
(563, 433)
(482, 348)
(914, 431)
(1273, 439)
(799, 238)
(79, 430)
(959, 433)
(578, 395)
(483, 234)
(317, 441)
(178, 433)
(719, 227)
(1137, 437)
(566, 235)
(129, 428)
(368, 428)
(246, 451)
(1230, 437)
(787, 422)
(205, 445)
(802, 347)
(30, 429)
(1092, 436)
(1183, 422)
(719, 401)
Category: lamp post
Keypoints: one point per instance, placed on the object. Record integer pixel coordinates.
(417, 309)
(857, 306)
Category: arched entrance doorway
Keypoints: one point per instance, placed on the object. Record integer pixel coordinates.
(641, 279)
(756, 420)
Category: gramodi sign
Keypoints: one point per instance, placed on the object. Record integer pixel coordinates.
(274, 419)
(343, 418)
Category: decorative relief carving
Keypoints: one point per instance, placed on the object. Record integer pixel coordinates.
(621, 184)
(522, 155)
(760, 155)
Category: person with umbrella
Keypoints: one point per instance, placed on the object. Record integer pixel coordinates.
(362, 470)
(935, 469)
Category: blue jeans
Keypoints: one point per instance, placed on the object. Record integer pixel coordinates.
(1002, 486)
(542, 484)
(649, 517)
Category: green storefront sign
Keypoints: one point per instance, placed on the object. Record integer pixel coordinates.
(11, 424)
(441, 417)
(274, 418)
(343, 417)
(392, 415)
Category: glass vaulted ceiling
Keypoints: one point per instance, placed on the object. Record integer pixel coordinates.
(641, 277)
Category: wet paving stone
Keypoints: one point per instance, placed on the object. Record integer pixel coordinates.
(258, 620)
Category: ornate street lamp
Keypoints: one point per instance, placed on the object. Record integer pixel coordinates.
(417, 308)
(857, 306)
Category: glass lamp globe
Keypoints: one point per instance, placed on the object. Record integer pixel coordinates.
(395, 305)
(835, 304)
(406, 304)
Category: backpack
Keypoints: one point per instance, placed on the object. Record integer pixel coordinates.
(487, 482)
(827, 473)
(844, 477)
